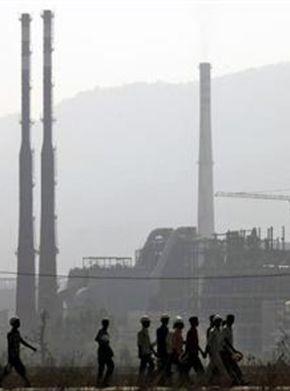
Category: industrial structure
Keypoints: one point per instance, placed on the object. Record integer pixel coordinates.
(25, 296)
(254, 196)
(176, 271)
(205, 225)
(185, 270)
(26, 280)
(47, 288)
(191, 270)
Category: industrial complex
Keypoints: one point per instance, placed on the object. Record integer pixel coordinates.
(183, 270)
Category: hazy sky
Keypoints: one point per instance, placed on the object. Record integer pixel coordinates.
(107, 43)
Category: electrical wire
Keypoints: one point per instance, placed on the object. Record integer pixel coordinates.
(151, 278)
(269, 191)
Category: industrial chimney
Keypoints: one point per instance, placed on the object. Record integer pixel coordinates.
(47, 299)
(205, 175)
(25, 291)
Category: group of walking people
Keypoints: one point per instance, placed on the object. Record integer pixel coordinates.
(169, 350)
(171, 353)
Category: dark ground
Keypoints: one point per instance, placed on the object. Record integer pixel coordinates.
(271, 375)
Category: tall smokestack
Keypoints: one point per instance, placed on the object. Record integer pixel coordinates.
(47, 262)
(205, 174)
(25, 294)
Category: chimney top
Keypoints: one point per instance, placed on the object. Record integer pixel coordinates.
(204, 65)
(25, 18)
(47, 14)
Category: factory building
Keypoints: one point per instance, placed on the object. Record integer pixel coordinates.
(232, 273)
(190, 270)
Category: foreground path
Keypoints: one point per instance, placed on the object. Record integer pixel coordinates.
(134, 388)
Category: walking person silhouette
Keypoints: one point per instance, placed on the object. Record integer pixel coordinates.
(163, 355)
(14, 361)
(229, 354)
(145, 350)
(105, 354)
(192, 349)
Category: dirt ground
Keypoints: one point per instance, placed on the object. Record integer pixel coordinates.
(267, 376)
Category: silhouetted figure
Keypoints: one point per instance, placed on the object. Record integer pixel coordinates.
(192, 348)
(145, 349)
(163, 354)
(14, 361)
(105, 354)
(216, 365)
(177, 343)
(211, 319)
(229, 354)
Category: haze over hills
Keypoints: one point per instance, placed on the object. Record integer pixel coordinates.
(127, 156)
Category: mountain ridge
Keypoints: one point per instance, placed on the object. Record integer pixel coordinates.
(127, 161)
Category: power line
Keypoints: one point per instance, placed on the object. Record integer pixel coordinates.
(267, 191)
(152, 278)
(272, 190)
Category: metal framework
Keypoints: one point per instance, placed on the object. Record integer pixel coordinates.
(107, 261)
(260, 196)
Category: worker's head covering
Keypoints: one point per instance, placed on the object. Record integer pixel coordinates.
(145, 320)
(178, 322)
(14, 321)
(164, 317)
(144, 317)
